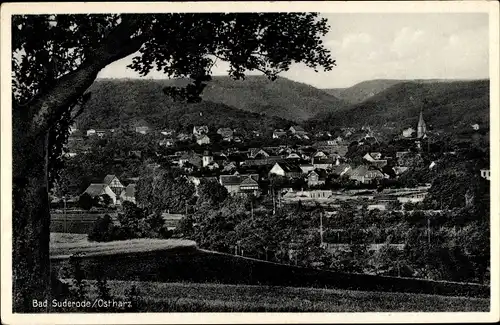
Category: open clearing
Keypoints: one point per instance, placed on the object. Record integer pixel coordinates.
(64, 245)
(191, 297)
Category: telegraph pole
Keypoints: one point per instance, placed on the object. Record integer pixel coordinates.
(321, 227)
(428, 231)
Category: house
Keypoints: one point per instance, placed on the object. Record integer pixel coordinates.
(97, 190)
(286, 169)
(225, 133)
(167, 132)
(341, 169)
(316, 177)
(372, 156)
(114, 184)
(366, 174)
(183, 137)
(202, 140)
(232, 183)
(250, 185)
(375, 159)
(325, 163)
(142, 129)
(297, 130)
(190, 158)
(200, 130)
(213, 165)
(90, 132)
(169, 142)
(320, 154)
(399, 170)
(306, 168)
(485, 173)
(70, 154)
(278, 134)
(475, 127)
(258, 153)
(100, 133)
(207, 159)
(293, 155)
(128, 194)
(408, 133)
(400, 154)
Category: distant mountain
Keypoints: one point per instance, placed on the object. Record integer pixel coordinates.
(121, 102)
(366, 89)
(282, 97)
(446, 106)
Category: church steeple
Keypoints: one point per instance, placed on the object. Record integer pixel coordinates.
(421, 127)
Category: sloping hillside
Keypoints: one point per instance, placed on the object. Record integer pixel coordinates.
(446, 106)
(362, 91)
(282, 97)
(115, 103)
(366, 89)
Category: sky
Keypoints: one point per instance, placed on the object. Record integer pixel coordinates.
(370, 46)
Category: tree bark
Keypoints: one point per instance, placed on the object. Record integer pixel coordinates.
(31, 221)
(30, 185)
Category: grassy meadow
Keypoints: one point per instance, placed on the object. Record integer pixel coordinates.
(210, 297)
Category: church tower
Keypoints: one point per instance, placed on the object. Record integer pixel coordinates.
(421, 128)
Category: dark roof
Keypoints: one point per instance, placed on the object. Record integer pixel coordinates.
(249, 181)
(297, 128)
(320, 172)
(236, 179)
(108, 179)
(95, 189)
(290, 167)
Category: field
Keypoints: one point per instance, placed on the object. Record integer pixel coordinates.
(190, 297)
(64, 245)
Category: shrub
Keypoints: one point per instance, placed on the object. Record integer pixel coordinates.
(103, 230)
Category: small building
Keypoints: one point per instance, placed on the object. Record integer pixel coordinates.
(366, 174)
(250, 185)
(316, 177)
(200, 130)
(325, 163)
(306, 168)
(341, 169)
(167, 132)
(142, 129)
(207, 159)
(408, 133)
(114, 183)
(183, 137)
(203, 139)
(90, 132)
(97, 190)
(286, 169)
(475, 127)
(278, 134)
(169, 142)
(297, 130)
(232, 183)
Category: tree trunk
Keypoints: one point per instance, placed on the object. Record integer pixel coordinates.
(31, 124)
(31, 221)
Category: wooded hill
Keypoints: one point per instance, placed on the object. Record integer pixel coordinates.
(447, 106)
(369, 88)
(121, 103)
(254, 103)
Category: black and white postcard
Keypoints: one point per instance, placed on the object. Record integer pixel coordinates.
(250, 162)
